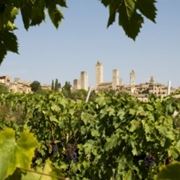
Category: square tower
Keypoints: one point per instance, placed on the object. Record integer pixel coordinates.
(99, 73)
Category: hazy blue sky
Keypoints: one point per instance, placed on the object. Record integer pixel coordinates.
(82, 39)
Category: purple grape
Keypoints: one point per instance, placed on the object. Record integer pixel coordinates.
(149, 161)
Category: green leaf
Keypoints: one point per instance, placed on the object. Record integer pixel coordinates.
(3, 52)
(62, 3)
(106, 2)
(170, 172)
(26, 11)
(14, 12)
(131, 26)
(15, 154)
(113, 7)
(130, 7)
(55, 108)
(53, 119)
(38, 14)
(130, 14)
(147, 8)
(10, 41)
(55, 16)
(95, 133)
(134, 125)
(45, 173)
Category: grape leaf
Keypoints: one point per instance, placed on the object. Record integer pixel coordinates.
(147, 8)
(55, 16)
(171, 172)
(15, 153)
(8, 43)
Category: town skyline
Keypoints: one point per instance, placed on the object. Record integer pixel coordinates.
(94, 84)
(141, 90)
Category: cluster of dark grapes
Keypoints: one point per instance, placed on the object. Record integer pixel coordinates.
(51, 151)
(71, 153)
(55, 148)
(168, 160)
(149, 161)
(37, 155)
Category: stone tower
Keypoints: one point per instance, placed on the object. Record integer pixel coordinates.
(99, 73)
(76, 84)
(115, 78)
(132, 81)
(152, 81)
(169, 88)
(84, 80)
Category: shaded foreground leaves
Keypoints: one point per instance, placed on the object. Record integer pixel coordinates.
(130, 14)
(15, 153)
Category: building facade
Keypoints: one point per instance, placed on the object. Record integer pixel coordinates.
(16, 85)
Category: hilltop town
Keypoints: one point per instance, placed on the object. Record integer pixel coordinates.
(141, 91)
(17, 85)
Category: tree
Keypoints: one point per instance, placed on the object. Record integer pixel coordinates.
(66, 90)
(130, 14)
(55, 85)
(52, 85)
(35, 86)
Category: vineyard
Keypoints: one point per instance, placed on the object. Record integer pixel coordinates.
(113, 136)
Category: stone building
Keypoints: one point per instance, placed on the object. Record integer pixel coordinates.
(152, 87)
(76, 84)
(84, 80)
(99, 74)
(5, 80)
(115, 79)
(132, 81)
(16, 86)
(100, 84)
(141, 91)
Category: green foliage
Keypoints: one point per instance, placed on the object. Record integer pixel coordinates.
(15, 153)
(47, 172)
(8, 43)
(35, 86)
(79, 94)
(113, 136)
(171, 172)
(131, 14)
(33, 12)
(66, 89)
(55, 85)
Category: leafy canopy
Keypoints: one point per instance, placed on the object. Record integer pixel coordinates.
(130, 14)
(35, 86)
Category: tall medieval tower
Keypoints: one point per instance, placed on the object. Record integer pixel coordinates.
(84, 80)
(99, 73)
(115, 78)
(132, 81)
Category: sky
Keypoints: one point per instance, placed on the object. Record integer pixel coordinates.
(46, 53)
